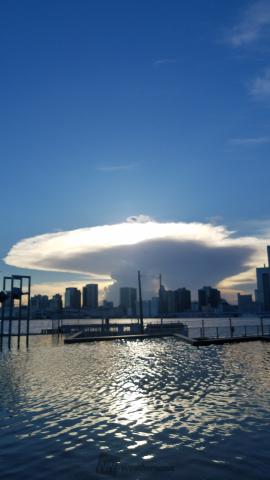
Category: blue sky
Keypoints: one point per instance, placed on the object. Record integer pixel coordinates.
(119, 108)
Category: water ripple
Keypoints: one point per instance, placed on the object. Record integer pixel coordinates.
(156, 402)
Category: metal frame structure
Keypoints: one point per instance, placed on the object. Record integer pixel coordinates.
(140, 302)
(15, 292)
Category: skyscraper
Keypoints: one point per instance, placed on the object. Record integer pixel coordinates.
(208, 298)
(182, 300)
(90, 296)
(56, 303)
(263, 285)
(172, 301)
(72, 298)
(128, 298)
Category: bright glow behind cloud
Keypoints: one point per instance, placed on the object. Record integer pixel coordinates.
(186, 253)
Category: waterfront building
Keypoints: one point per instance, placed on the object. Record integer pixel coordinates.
(262, 293)
(182, 300)
(154, 306)
(56, 303)
(128, 299)
(107, 304)
(163, 300)
(245, 303)
(146, 307)
(90, 296)
(174, 301)
(39, 303)
(209, 298)
(195, 306)
(72, 298)
(171, 304)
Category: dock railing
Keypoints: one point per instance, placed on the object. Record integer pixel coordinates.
(229, 331)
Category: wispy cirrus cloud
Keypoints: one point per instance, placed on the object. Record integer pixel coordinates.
(260, 86)
(253, 25)
(164, 61)
(116, 168)
(249, 141)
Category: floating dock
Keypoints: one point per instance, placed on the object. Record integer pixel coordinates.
(203, 342)
(197, 342)
(76, 338)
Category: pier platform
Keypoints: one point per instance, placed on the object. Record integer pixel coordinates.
(203, 342)
(76, 338)
(196, 342)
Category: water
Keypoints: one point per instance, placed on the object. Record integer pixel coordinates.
(160, 404)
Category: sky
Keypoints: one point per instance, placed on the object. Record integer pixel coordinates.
(143, 114)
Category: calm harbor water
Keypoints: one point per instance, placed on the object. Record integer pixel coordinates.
(164, 408)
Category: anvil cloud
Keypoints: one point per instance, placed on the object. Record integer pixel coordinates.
(187, 254)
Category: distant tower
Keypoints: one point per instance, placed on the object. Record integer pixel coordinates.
(90, 296)
(263, 285)
(128, 299)
(72, 298)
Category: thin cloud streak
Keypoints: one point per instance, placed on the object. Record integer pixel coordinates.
(246, 142)
(164, 61)
(117, 168)
(253, 25)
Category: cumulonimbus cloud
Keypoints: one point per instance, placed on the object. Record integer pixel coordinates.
(187, 254)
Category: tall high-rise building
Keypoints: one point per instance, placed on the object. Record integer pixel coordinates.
(182, 300)
(56, 303)
(209, 298)
(128, 298)
(155, 306)
(163, 300)
(90, 296)
(263, 285)
(171, 304)
(245, 303)
(39, 303)
(174, 301)
(72, 298)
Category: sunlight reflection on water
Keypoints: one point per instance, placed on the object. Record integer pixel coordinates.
(202, 411)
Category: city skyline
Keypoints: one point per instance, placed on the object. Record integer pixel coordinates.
(109, 131)
(165, 301)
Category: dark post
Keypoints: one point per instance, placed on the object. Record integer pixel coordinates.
(231, 328)
(11, 298)
(2, 322)
(140, 300)
(20, 313)
(262, 330)
(160, 303)
(203, 331)
(3, 313)
(28, 293)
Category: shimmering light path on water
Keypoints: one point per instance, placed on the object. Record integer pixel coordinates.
(156, 404)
